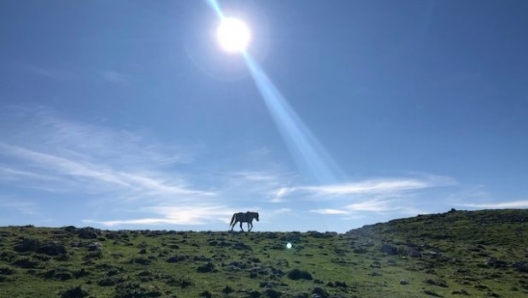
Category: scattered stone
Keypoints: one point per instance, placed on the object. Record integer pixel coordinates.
(438, 282)
(404, 282)
(52, 249)
(431, 293)
(227, 290)
(76, 292)
(176, 259)
(460, 292)
(389, 249)
(27, 263)
(209, 267)
(95, 246)
(87, 233)
(297, 274)
(271, 293)
(6, 271)
(320, 292)
(521, 267)
(26, 245)
(496, 263)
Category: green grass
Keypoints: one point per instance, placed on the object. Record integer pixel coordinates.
(454, 254)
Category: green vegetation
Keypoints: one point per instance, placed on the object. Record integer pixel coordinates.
(454, 254)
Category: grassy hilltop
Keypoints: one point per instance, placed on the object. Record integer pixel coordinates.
(454, 254)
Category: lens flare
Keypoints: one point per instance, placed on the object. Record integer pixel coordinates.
(233, 35)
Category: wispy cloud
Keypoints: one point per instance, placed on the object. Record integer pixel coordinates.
(108, 167)
(329, 211)
(181, 215)
(499, 205)
(371, 206)
(52, 73)
(114, 77)
(378, 186)
(280, 194)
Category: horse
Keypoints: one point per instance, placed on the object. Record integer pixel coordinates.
(244, 217)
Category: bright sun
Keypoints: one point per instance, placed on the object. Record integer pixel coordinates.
(233, 35)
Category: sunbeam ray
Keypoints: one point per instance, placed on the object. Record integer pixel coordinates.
(309, 154)
(311, 158)
(216, 7)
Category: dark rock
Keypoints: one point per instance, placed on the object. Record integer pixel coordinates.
(70, 229)
(460, 292)
(389, 249)
(241, 246)
(5, 271)
(431, 293)
(87, 233)
(297, 274)
(76, 292)
(26, 263)
(227, 290)
(176, 259)
(209, 267)
(496, 263)
(271, 293)
(58, 274)
(438, 282)
(320, 292)
(521, 267)
(52, 249)
(26, 245)
(95, 246)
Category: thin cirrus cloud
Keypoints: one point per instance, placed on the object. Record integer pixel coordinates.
(51, 73)
(41, 151)
(114, 77)
(394, 195)
(329, 211)
(377, 186)
(499, 205)
(182, 215)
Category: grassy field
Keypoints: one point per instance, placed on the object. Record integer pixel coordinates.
(453, 254)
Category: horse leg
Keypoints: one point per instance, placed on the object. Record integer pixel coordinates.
(250, 228)
(241, 227)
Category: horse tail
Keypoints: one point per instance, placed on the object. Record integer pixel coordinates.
(232, 219)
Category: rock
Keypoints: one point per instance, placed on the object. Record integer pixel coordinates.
(320, 292)
(95, 246)
(25, 245)
(241, 246)
(87, 233)
(404, 282)
(389, 249)
(297, 274)
(496, 263)
(209, 267)
(52, 249)
(271, 293)
(521, 267)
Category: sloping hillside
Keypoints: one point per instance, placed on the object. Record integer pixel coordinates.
(458, 253)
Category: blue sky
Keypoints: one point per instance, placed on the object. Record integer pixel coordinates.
(126, 114)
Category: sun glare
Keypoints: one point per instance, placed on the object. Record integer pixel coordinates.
(233, 35)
